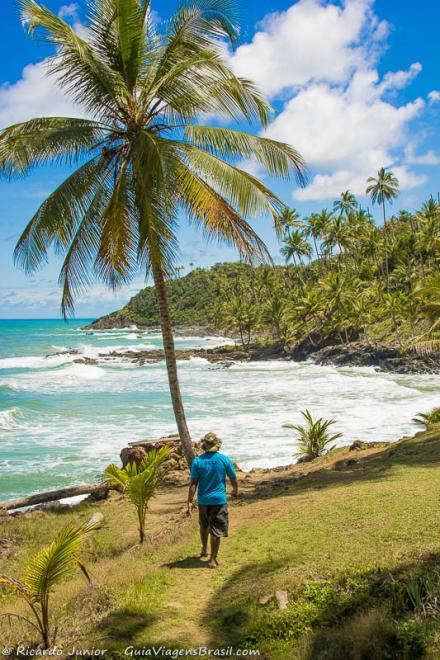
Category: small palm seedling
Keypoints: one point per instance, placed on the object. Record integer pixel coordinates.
(314, 438)
(428, 419)
(45, 570)
(139, 482)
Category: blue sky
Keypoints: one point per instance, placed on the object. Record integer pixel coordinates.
(355, 86)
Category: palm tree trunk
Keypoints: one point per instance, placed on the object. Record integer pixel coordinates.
(385, 237)
(171, 363)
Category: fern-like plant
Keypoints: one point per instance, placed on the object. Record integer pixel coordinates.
(44, 571)
(314, 438)
(139, 482)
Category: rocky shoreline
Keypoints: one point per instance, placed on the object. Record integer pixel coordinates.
(354, 354)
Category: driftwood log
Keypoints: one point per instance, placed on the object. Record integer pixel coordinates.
(51, 496)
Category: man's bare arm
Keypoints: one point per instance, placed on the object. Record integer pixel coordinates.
(234, 484)
(191, 493)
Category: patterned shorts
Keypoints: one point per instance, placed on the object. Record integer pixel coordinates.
(214, 518)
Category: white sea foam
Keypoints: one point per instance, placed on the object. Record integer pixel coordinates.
(83, 414)
(34, 362)
(9, 419)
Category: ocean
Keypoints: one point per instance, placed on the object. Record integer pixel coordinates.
(61, 422)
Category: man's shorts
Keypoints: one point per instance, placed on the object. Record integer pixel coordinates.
(214, 518)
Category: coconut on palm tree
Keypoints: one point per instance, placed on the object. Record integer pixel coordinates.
(142, 156)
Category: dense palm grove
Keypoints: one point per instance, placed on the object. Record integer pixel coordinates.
(345, 278)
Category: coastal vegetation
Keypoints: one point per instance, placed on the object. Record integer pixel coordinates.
(47, 569)
(139, 482)
(349, 279)
(348, 536)
(314, 438)
(143, 155)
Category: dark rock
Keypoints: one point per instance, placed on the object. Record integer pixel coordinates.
(86, 360)
(305, 459)
(132, 455)
(98, 495)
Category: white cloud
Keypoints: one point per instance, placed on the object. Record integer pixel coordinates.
(68, 11)
(311, 40)
(321, 58)
(434, 96)
(345, 134)
(427, 158)
(34, 95)
(38, 295)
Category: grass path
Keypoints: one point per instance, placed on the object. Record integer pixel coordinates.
(344, 537)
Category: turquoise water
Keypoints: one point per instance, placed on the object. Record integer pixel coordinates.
(62, 422)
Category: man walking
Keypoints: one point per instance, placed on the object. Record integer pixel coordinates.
(208, 475)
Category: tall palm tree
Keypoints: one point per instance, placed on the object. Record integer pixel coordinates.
(141, 156)
(383, 188)
(346, 203)
(316, 225)
(296, 246)
(287, 221)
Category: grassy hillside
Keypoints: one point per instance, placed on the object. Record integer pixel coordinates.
(192, 298)
(353, 539)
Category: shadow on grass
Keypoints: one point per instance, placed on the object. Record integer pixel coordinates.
(423, 450)
(375, 615)
(125, 624)
(188, 562)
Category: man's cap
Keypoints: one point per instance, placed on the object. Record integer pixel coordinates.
(211, 442)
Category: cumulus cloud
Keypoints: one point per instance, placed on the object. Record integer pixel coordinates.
(34, 95)
(312, 40)
(68, 11)
(37, 296)
(320, 58)
(434, 96)
(427, 158)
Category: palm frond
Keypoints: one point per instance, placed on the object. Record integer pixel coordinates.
(56, 562)
(218, 219)
(84, 76)
(276, 157)
(118, 235)
(116, 476)
(57, 218)
(36, 142)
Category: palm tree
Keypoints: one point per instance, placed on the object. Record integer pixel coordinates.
(141, 156)
(346, 203)
(337, 234)
(430, 342)
(313, 438)
(316, 225)
(288, 220)
(139, 482)
(383, 188)
(46, 570)
(296, 246)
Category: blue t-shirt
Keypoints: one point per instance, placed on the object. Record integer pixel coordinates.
(210, 470)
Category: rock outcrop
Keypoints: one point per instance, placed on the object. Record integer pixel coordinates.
(175, 465)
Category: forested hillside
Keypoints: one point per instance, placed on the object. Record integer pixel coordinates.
(345, 278)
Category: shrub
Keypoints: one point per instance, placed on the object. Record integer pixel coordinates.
(44, 572)
(314, 438)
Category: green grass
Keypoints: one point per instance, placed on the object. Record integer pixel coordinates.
(355, 545)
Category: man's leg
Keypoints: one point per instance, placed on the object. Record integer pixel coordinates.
(215, 545)
(204, 540)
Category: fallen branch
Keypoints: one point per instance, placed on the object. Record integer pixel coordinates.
(51, 496)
